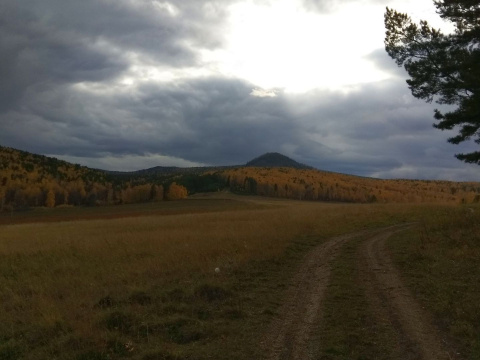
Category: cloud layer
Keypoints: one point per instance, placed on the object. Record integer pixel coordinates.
(123, 85)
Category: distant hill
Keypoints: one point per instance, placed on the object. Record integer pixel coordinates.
(275, 159)
(22, 166)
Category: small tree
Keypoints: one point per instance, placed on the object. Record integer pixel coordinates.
(50, 200)
(176, 192)
(443, 67)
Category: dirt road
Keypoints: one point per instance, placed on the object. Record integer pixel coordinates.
(292, 333)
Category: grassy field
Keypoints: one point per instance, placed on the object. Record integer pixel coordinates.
(139, 282)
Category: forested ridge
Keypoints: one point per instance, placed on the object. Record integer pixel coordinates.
(30, 180)
(316, 185)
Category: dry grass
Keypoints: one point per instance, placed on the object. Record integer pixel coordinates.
(144, 287)
(440, 261)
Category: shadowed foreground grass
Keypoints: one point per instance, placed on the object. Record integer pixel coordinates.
(440, 261)
(144, 287)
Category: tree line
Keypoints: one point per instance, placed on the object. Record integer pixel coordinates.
(316, 185)
(29, 180)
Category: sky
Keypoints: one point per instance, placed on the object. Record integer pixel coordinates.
(132, 84)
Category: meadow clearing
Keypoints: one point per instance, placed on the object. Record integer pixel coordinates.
(139, 282)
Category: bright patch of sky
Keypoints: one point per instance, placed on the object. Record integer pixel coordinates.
(283, 45)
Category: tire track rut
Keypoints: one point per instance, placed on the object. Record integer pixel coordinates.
(390, 297)
(301, 311)
(292, 332)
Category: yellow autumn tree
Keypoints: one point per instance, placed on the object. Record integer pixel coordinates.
(176, 192)
(50, 200)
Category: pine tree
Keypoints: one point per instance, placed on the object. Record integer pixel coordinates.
(444, 68)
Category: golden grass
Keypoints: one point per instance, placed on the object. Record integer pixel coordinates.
(54, 275)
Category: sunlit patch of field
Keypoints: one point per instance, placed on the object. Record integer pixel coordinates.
(145, 286)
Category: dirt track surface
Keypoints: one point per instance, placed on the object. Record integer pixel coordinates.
(300, 317)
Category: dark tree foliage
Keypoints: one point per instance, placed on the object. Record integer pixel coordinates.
(443, 67)
(201, 183)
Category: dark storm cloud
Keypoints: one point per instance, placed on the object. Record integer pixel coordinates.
(54, 42)
(33, 53)
(213, 120)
